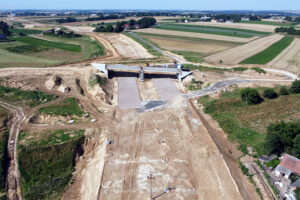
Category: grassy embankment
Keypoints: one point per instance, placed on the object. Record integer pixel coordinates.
(24, 97)
(46, 162)
(233, 32)
(270, 53)
(145, 45)
(222, 70)
(247, 124)
(67, 107)
(4, 115)
(46, 50)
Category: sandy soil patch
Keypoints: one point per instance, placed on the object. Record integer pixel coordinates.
(195, 35)
(240, 53)
(147, 90)
(289, 59)
(127, 47)
(254, 27)
(174, 44)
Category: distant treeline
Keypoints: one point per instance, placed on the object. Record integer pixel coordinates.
(61, 33)
(120, 26)
(288, 30)
(104, 17)
(66, 20)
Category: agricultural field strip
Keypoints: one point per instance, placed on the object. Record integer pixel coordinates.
(270, 53)
(289, 58)
(240, 53)
(232, 31)
(254, 27)
(195, 35)
(196, 39)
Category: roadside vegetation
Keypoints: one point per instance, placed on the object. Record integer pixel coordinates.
(69, 106)
(195, 57)
(24, 97)
(254, 121)
(46, 168)
(145, 45)
(221, 70)
(270, 53)
(96, 79)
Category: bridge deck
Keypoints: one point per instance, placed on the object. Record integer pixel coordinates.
(147, 70)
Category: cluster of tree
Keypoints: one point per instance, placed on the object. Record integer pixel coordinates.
(104, 17)
(146, 22)
(283, 137)
(66, 20)
(4, 28)
(288, 30)
(61, 33)
(119, 27)
(234, 18)
(252, 96)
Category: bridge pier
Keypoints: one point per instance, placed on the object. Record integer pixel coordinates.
(142, 75)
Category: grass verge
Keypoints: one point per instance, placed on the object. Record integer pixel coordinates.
(247, 123)
(195, 57)
(67, 107)
(270, 53)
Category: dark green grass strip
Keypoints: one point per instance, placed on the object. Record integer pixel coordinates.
(270, 53)
(217, 27)
(50, 44)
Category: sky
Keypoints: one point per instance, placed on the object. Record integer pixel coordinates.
(153, 4)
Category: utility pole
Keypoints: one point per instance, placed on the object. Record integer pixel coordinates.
(150, 178)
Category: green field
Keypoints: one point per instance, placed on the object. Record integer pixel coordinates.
(247, 123)
(67, 107)
(25, 31)
(270, 53)
(46, 169)
(48, 51)
(50, 44)
(233, 32)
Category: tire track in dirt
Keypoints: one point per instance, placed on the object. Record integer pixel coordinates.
(132, 164)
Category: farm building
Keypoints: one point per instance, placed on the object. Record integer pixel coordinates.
(288, 165)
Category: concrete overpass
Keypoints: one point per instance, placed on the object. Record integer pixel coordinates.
(142, 71)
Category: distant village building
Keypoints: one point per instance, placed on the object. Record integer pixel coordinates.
(214, 20)
(288, 165)
(229, 21)
(245, 19)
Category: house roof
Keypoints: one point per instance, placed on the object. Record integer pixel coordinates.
(296, 183)
(267, 158)
(292, 163)
(283, 170)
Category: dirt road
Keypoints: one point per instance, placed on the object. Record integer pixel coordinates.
(175, 148)
(195, 35)
(240, 53)
(288, 59)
